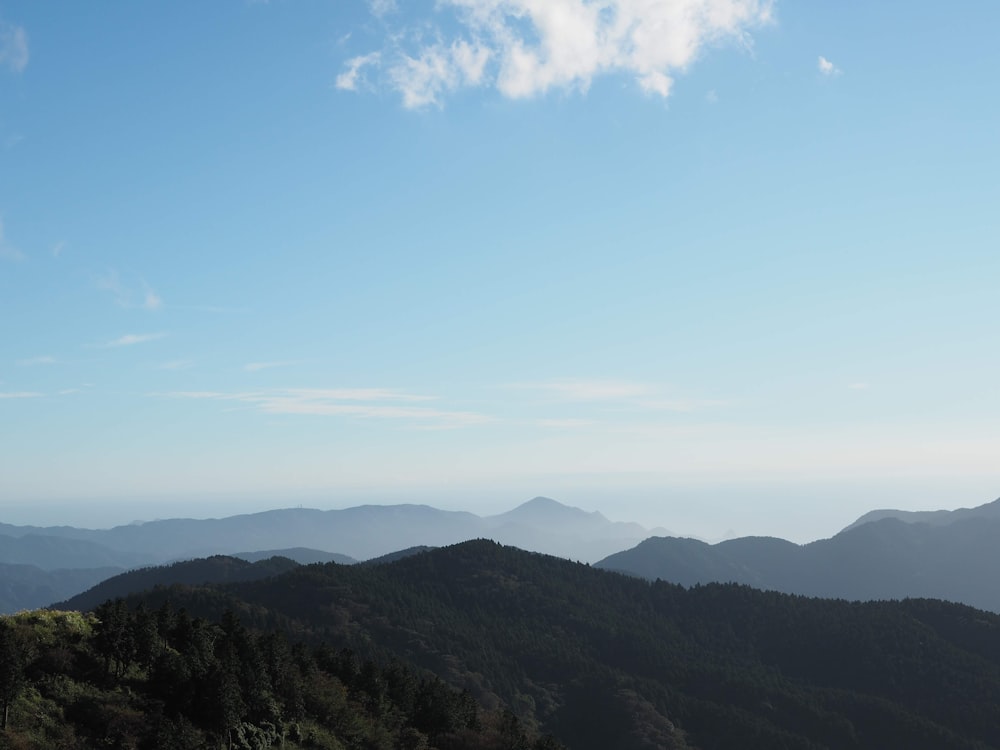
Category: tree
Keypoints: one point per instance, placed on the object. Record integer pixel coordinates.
(114, 636)
(11, 669)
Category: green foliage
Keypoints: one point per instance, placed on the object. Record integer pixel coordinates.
(132, 679)
(602, 660)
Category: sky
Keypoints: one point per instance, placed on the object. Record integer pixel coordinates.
(726, 267)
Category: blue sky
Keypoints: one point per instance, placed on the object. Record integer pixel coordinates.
(723, 266)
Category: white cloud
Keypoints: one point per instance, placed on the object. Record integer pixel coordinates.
(381, 8)
(8, 251)
(618, 395)
(125, 295)
(681, 405)
(588, 390)
(110, 282)
(176, 364)
(826, 67)
(131, 339)
(352, 76)
(525, 48)
(565, 424)
(33, 361)
(257, 366)
(151, 300)
(19, 394)
(13, 47)
(362, 403)
(57, 248)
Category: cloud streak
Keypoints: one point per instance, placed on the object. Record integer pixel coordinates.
(13, 47)
(617, 395)
(19, 394)
(8, 251)
(526, 48)
(258, 366)
(360, 403)
(131, 339)
(125, 297)
(587, 390)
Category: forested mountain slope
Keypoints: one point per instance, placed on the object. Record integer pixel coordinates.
(607, 661)
(164, 681)
(215, 569)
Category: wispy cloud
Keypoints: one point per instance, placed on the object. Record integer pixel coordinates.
(587, 390)
(859, 386)
(35, 361)
(381, 8)
(140, 296)
(353, 73)
(131, 339)
(8, 251)
(13, 47)
(826, 67)
(151, 300)
(176, 364)
(57, 248)
(525, 48)
(11, 140)
(19, 394)
(565, 424)
(257, 366)
(360, 403)
(215, 309)
(618, 395)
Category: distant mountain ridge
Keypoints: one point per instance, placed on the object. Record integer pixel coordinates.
(883, 559)
(29, 587)
(933, 517)
(360, 532)
(305, 535)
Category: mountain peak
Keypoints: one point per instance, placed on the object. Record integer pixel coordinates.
(546, 508)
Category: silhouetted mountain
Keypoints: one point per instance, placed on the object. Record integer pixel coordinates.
(933, 517)
(885, 559)
(361, 532)
(215, 569)
(301, 555)
(608, 661)
(30, 587)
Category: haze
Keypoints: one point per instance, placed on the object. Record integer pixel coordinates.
(738, 279)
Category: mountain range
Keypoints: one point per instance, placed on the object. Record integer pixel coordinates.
(885, 554)
(361, 532)
(952, 555)
(304, 535)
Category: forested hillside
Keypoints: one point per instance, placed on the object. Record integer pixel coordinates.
(215, 569)
(162, 680)
(602, 660)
